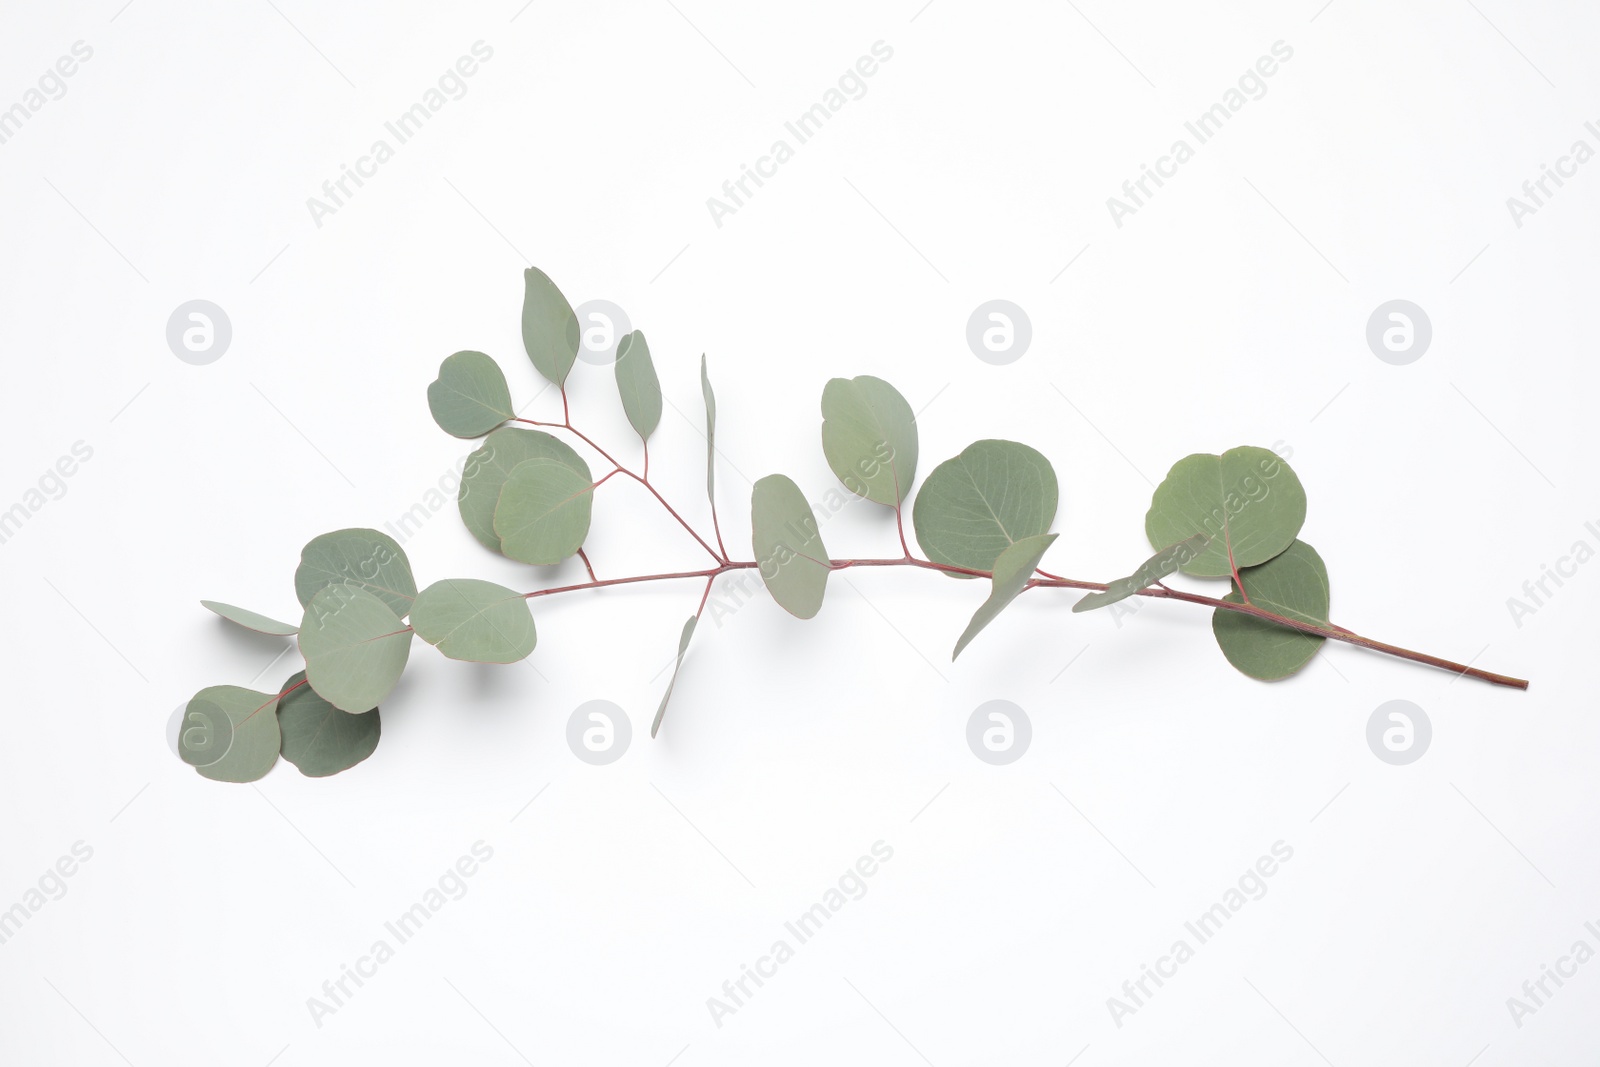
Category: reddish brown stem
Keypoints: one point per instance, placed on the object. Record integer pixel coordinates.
(580, 435)
(1331, 632)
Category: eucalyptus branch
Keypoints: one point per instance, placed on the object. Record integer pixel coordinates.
(525, 493)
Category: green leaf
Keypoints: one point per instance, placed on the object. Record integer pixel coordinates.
(549, 326)
(544, 510)
(1293, 584)
(488, 468)
(1012, 570)
(711, 432)
(472, 620)
(320, 739)
(253, 726)
(1149, 573)
(204, 733)
(1247, 501)
(355, 647)
(638, 384)
(789, 551)
(683, 646)
(869, 436)
(470, 396)
(250, 620)
(361, 559)
(975, 506)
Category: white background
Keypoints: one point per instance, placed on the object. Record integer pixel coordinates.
(1231, 309)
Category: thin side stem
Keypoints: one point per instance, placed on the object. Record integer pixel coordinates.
(642, 480)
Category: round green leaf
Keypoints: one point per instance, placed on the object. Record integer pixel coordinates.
(204, 733)
(544, 509)
(869, 435)
(1012, 570)
(251, 620)
(638, 384)
(320, 739)
(975, 506)
(1246, 501)
(355, 647)
(253, 726)
(472, 620)
(360, 559)
(549, 326)
(470, 396)
(1293, 584)
(789, 551)
(488, 467)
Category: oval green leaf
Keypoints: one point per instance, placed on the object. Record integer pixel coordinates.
(250, 620)
(869, 436)
(1012, 570)
(683, 646)
(254, 727)
(638, 384)
(975, 506)
(487, 469)
(544, 510)
(476, 621)
(789, 551)
(1149, 573)
(470, 396)
(1293, 584)
(320, 739)
(549, 326)
(360, 559)
(1247, 501)
(355, 647)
